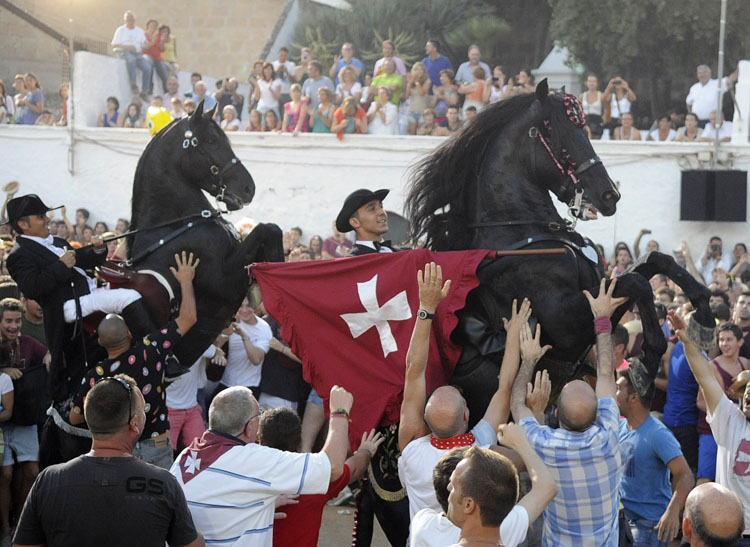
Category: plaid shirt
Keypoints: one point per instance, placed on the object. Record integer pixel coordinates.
(587, 468)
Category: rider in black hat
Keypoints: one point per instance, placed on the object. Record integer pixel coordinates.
(363, 212)
(47, 269)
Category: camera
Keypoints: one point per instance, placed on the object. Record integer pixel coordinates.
(618, 81)
(495, 78)
(715, 248)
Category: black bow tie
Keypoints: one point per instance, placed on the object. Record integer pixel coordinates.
(379, 244)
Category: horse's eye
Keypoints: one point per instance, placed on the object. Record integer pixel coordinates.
(211, 140)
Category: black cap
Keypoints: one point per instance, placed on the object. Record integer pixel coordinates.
(25, 206)
(354, 201)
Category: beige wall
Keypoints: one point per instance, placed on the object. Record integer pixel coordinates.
(218, 37)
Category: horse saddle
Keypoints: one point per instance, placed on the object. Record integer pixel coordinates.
(155, 291)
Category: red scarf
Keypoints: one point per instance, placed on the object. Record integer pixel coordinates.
(467, 439)
(204, 451)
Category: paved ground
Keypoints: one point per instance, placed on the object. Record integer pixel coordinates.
(336, 530)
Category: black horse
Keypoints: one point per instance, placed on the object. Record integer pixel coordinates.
(171, 213)
(489, 187)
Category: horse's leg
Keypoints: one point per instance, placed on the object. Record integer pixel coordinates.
(639, 290)
(702, 329)
(263, 244)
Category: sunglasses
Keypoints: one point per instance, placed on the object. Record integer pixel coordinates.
(129, 389)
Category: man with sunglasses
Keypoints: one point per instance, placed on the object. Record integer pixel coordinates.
(72, 503)
(144, 359)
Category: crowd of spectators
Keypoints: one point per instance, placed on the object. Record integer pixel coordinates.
(645, 446)
(429, 98)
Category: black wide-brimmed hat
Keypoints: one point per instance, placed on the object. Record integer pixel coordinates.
(639, 377)
(354, 201)
(25, 206)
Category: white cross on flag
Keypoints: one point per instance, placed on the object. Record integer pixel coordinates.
(350, 321)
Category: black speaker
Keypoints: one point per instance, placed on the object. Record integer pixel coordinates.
(714, 195)
(730, 197)
(697, 195)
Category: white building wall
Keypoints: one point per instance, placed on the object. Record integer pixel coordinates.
(303, 180)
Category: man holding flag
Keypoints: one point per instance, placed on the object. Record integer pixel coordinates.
(363, 212)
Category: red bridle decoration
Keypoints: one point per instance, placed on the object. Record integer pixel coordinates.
(574, 110)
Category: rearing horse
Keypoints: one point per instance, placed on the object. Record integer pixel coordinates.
(489, 187)
(171, 214)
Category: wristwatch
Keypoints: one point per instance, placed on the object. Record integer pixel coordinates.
(424, 314)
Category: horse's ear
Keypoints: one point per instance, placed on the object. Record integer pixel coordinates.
(542, 90)
(197, 113)
(210, 113)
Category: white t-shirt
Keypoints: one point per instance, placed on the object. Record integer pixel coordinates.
(417, 461)
(430, 528)
(240, 371)
(655, 135)
(725, 131)
(377, 126)
(125, 36)
(6, 384)
(703, 97)
(230, 125)
(343, 93)
(234, 497)
(732, 433)
(182, 393)
(266, 99)
(286, 83)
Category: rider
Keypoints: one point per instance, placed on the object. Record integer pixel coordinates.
(363, 212)
(49, 271)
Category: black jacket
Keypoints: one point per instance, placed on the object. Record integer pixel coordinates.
(42, 276)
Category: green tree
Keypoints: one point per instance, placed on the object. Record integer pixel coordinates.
(657, 42)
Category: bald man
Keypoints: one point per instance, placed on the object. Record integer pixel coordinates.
(428, 431)
(144, 360)
(713, 516)
(583, 455)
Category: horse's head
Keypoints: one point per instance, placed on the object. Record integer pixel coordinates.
(212, 163)
(571, 169)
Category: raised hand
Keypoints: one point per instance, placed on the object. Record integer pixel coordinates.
(518, 317)
(371, 441)
(432, 291)
(537, 395)
(604, 305)
(186, 265)
(531, 348)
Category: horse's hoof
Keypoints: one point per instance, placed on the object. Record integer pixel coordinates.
(173, 369)
(703, 337)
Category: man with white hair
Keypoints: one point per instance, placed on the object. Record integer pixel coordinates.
(465, 72)
(231, 483)
(129, 41)
(701, 99)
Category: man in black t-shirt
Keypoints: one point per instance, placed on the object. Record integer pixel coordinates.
(72, 503)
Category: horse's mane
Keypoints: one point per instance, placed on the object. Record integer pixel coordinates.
(141, 189)
(442, 178)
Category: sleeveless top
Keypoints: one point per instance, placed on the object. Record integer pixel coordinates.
(169, 54)
(620, 106)
(726, 378)
(294, 118)
(594, 108)
(319, 126)
(111, 122)
(417, 102)
(630, 137)
(478, 95)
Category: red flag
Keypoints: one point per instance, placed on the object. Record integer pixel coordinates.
(350, 321)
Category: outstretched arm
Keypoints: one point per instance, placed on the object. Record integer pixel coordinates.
(432, 291)
(337, 441)
(359, 461)
(602, 308)
(543, 487)
(499, 407)
(184, 273)
(531, 352)
(702, 369)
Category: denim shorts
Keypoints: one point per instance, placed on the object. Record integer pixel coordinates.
(416, 117)
(21, 440)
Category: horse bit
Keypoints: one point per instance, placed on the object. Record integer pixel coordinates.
(217, 187)
(564, 162)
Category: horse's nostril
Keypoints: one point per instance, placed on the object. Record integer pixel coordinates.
(609, 196)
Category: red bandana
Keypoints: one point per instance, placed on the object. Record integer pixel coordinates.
(467, 439)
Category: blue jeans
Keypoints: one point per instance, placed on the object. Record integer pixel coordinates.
(157, 451)
(161, 70)
(145, 64)
(644, 534)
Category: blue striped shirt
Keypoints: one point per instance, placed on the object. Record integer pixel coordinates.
(587, 468)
